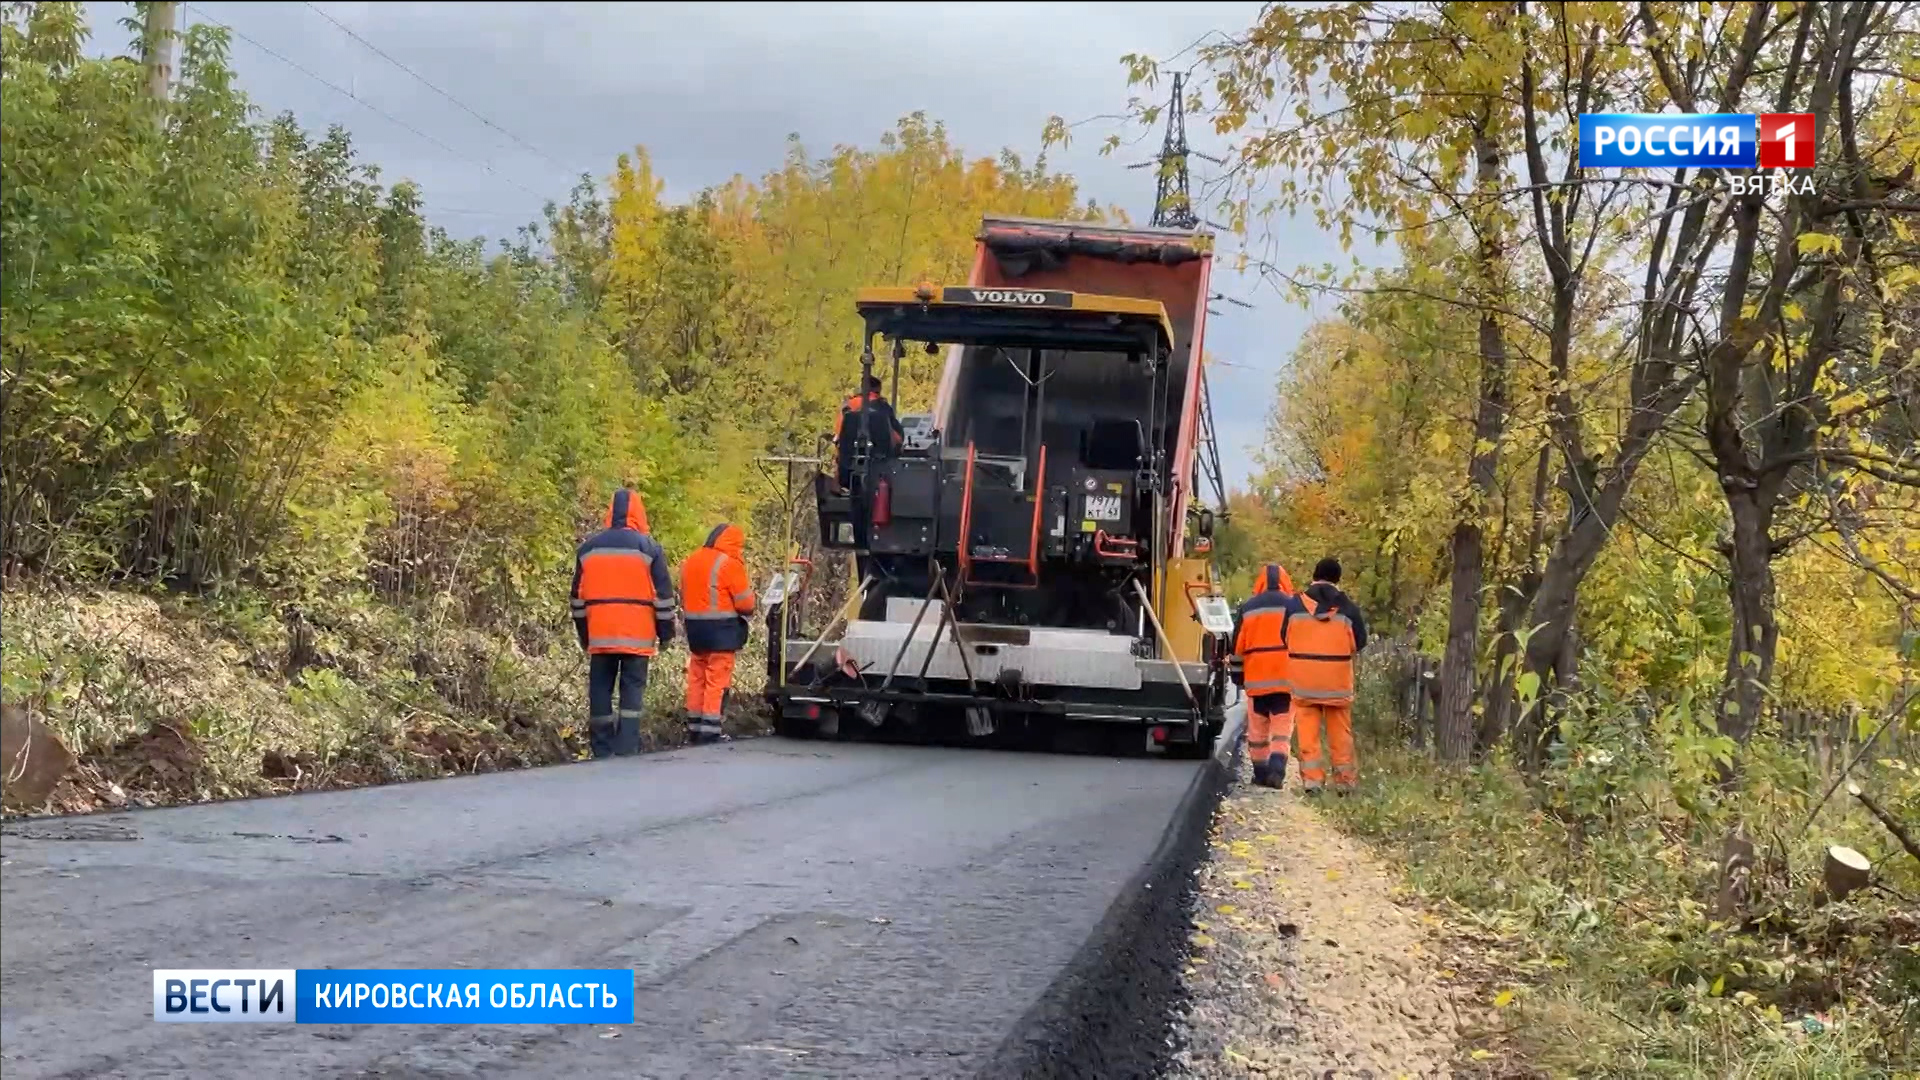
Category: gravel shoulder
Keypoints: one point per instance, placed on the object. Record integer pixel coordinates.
(1301, 961)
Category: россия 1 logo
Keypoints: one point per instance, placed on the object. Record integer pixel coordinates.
(1738, 143)
(1697, 140)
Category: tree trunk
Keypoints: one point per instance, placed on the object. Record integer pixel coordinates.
(1515, 601)
(1552, 616)
(1751, 647)
(1454, 732)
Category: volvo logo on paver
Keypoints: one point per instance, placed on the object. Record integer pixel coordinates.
(1015, 297)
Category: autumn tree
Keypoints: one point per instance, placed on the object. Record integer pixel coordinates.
(1403, 119)
(1805, 348)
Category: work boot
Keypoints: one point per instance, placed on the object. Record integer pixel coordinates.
(1260, 774)
(1277, 772)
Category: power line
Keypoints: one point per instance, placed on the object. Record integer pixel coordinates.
(424, 81)
(338, 89)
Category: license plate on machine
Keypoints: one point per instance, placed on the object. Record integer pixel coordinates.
(1103, 508)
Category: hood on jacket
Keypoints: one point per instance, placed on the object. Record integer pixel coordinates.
(1273, 578)
(1328, 596)
(626, 511)
(727, 539)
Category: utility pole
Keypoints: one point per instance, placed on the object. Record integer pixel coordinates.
(1172, 205)
(158, 35)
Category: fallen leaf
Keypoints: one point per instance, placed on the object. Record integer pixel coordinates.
(1202, 941)
(1243, 885)
(1273, 980)
(1227, 909)
(1482, 1055)
(1503, 999)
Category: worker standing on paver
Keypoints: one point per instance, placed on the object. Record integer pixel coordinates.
(623, 609)
(717, 598)
(1260, 646)
(873, 413)
(1324, 632)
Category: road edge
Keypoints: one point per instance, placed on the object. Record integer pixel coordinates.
(1110, 1012)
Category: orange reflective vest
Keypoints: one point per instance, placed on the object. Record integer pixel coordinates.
(1320, 648)
(1260, 641)
(716, 595)
(856, 405)
(622, 590)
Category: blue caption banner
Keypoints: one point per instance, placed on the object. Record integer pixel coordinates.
(1669, 140)
(452, 996)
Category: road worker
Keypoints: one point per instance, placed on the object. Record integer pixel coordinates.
(882, 427)
(1324, 632)
(1259, 644)
(623, 609)
(717, 600)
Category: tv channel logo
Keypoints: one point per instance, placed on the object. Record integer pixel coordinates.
(394, 996)
(224, 996)
(1697, 140)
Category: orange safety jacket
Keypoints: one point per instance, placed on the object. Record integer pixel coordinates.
(1260, 634)
(716, 595)
(857, 404)
(1321, 642)
(622, 589)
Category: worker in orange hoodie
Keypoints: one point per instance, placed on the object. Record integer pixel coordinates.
(1324, 633)
(718, 598)
(623, 610)
(1260, 646)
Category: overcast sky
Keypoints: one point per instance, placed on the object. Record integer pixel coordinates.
(714, 89)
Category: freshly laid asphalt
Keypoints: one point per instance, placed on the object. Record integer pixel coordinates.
(788, 908)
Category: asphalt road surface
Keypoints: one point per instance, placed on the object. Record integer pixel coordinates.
(789, 909)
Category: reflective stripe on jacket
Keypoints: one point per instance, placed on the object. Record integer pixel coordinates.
(622, 588)
(1320, 647)
(716, 595)
(1259, 639)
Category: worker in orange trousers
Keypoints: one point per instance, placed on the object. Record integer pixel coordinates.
(1324, 632)
(1259, 644)
(716, 602)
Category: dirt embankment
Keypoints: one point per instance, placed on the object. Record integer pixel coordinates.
(166, 700)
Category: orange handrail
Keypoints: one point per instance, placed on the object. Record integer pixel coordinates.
(1122, 546)
(1039, 505)
(966, 519)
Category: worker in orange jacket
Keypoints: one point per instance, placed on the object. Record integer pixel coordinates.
(623, 608)
(718, 600)
(1260, 646)
(884, 433)
(1324, 633)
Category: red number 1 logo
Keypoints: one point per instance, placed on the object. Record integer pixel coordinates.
(1786, 140)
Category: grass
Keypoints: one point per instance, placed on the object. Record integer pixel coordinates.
(181, 699)
(1586, 910)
